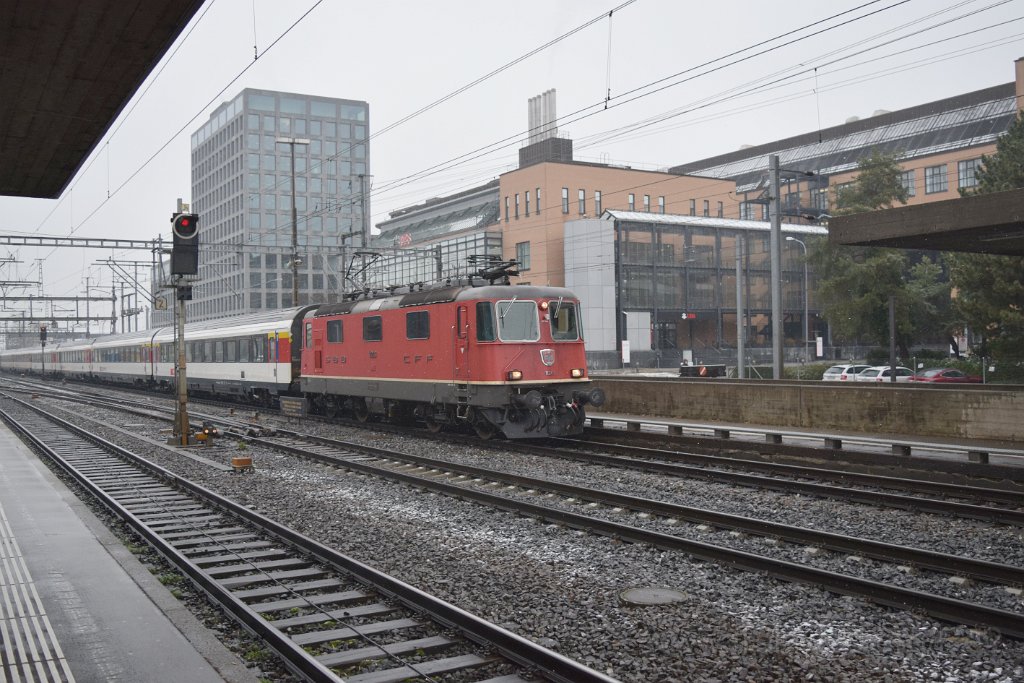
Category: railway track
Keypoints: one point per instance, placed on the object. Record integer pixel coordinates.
(327, 616)
(518, 494)
(965, 500)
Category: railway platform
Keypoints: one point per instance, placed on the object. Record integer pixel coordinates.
(75, 604)
(999, 452)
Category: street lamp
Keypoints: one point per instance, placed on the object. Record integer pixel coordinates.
(807, 355)
(291, 142)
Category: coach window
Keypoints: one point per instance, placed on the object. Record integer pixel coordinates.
(231, 351)
(417, 325)
(373, 328)
(485, 321)
(259, 350)
(218, 351)
(243, 349)
(309, 336)
(335, 332)
(189, 352)
(272, 350)
(517, 320)
(563, 321)
(208, 356)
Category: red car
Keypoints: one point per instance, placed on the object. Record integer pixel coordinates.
(945, 375)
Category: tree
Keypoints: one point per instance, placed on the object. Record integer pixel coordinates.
(855, 283)
(876, 186)
(990, 289)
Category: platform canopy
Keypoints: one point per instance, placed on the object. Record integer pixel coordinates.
(67, 69)
(985, 224)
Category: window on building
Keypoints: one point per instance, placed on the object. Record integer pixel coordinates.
(597, 202)
(417, 325)
(647, 203)
(506, 208)
(527, 203)
(517, 206)
(966, 172)
(523, 255)
(538, 201)
(335, 332)
(581, 199)
(693, 207)
(565, 200)
(935, 179)
(721, 210)
(908, 182)
(661, 205)
(747, 211)
(707, 208)
(373, 328)
(632, 202)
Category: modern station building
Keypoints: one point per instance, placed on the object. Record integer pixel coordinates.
(653, 254)
(243, 185)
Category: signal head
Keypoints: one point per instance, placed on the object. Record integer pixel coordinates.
(186, 225)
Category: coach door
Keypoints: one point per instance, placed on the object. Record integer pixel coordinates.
(462, 343)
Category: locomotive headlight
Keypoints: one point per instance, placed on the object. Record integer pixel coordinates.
(576, 373)
(514, 375)
(543, 305)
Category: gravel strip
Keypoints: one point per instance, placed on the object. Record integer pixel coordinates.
(563, 588)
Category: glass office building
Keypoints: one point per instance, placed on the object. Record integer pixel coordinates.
(659, 289)
(242, 189)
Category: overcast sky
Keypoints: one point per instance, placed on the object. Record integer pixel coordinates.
(402, 55)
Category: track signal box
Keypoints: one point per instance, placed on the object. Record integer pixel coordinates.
(185, 253)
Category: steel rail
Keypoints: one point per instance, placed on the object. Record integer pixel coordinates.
(544, 662)
(950, 564)
(948, 609)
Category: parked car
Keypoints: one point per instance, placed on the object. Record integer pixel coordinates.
(883, 373)
(842, 373)
(945, 375)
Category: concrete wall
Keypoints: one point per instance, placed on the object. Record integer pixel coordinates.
(966, 412)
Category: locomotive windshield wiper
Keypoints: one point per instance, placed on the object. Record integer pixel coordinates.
(558, 304)
(502, 314)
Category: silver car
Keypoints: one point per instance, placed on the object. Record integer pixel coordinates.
(842, 373)
(883, 373)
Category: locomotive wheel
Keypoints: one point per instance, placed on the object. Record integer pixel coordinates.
(331, 408)
(361, 410)
(433, 426)
(484, 428)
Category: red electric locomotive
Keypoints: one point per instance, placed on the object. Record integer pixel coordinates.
(493, 356)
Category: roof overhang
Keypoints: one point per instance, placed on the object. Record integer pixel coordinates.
(67, 69)
(985, 224)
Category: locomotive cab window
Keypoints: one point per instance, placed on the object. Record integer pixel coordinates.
(564, 321)
(335, 332)
(417, 325)
(309, 336)
(517, 320)
(373, 329)
(485, 321)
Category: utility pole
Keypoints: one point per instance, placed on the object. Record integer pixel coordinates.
(775, 248)
(291, 142)
(741, 327)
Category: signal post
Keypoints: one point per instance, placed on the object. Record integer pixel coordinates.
(184, 261)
